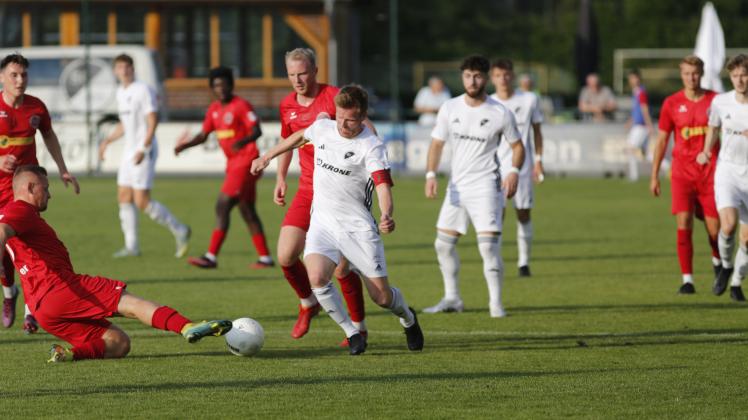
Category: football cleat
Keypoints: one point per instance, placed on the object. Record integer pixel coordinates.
(259, 265)
(345, 342)
(446, 305)
(301, 327)
(686, 289)
(736, 294)
(202, 262)
(30, 326)
(59, 354)
(717, 268)
(524, 271)
(183, 242)
(414, 335)
(720, 283)
(126, 253)
(194, 332)
(357, 344)
(497, 312)
(9, 310)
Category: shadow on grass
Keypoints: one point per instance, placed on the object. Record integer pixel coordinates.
(209, 279)
(682, 306)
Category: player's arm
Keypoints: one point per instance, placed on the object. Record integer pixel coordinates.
(433, 158)
(113, 136)
(183, 143)
(54, 149)
(291, 142)
(386, 207)
(538, 170)
(712, 134)
(281, 171)
(6, 232)
(151, 121)
(659, 154)
(252, 136)
(509, 185)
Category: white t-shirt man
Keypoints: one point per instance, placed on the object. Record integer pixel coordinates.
(428, 99)
(134, 103)
(731, 175)
(474, 134)
(341, 221)
(525, 106)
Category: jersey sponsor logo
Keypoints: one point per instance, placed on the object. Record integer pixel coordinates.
(332, 168)
(483, 122)
(34, 121)
(224, 134)
(732, 132)
(682, 109)
(228, 118)
(688, 132)
(348, 154)
(6, 141)
(468, 137)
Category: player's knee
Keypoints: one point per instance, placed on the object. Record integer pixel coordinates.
(317, 280)
(286, 258)
(342, 270)
(490, 250)
(445, 244)
(117, 344)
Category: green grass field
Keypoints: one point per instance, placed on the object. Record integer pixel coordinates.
(598, 331)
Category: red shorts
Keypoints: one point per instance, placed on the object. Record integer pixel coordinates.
(78, 311)
(300, 210)
(693, 197)
(240, 183)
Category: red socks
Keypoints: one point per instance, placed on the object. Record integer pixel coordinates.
(261, 245)
(685, 251)
(166, 318)
(93, 349)
(216, 240)
(298, 279)
(10, 271)
(352, 289)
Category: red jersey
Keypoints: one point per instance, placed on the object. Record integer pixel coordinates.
(689, 121)
(233, 122)
(17, 131)
(38, 255)
(295, 117)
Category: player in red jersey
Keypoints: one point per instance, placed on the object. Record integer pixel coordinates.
(75, 307)
(308, 102)
(685, 113)
(21, 116)
(237, 128)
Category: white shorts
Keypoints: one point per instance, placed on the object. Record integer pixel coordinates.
(638, 137)
(138, 177)
(731, 188)
(484, 210)
(364, 249)
(525, 196)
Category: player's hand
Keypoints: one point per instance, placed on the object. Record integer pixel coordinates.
(8, 163)
(139, 156)
(703, 158)
(386, 224)
(181, 142)
(259, 164)
(102, 149)
(67, 179)
(654, 186)
(538, 173)
(430, 188)
(509, 185)
(279, 192)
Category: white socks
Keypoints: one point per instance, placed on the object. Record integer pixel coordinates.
(726, 248)
(449, 264)
(524, 241)
(9, 292)
(309, 301)
(493, 267)
(128, 217)
(741, 266)
(26, 311)
(161, 215)
(400, 308)
(331, 301)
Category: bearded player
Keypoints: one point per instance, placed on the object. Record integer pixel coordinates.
(21, 115)
(692, 186)
(308, 102)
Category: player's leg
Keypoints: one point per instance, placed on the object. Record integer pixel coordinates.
(485, 213)
(290, 245)
(353, 293)
(727, 198)
(128, 217)
(224, 205)
(320, 268)
(90, 340)
(160, 214)
(684, 222)
(741, 259)
(524, 241)
(10, 292)
(707, 206)
(728, 217)
(247, 198)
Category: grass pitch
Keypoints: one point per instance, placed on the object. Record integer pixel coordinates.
(598, 331)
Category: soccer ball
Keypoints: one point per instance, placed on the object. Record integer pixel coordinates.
(246, 337)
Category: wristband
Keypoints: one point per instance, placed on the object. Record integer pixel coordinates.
(513, 170)
(145, 149)
(538, 158)
(430, 175)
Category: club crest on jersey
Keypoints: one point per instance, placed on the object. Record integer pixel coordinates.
(483, 122)
(348, 154)
(517, 110)
(682, 108)
(228, 118)
(34, 121)
(456, 121)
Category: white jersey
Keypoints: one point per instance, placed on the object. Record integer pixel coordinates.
(134, 103)
(726, 112)
(474, 134)
(342, 176)
(525, 107)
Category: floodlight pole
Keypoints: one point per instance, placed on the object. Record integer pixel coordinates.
(86, 15)
(394, 65)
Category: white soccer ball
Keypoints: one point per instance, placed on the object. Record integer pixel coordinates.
(246, 337)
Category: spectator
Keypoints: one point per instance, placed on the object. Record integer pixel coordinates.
(596, 102)
(640, 125)
(525, 83)
(429, 99)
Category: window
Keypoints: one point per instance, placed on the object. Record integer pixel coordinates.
(284, 39)
(10, 21)
(131, 25)
(45, 26)
(99, 25)
(186, 41)
(241, 41)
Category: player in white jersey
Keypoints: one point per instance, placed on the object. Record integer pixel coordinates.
(350, 163)
(138, 117)
(474, 125)
(729, 114)
(525, 107)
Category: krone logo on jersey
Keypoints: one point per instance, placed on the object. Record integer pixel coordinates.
(688, 132)
(331, 168)
(468, 137)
